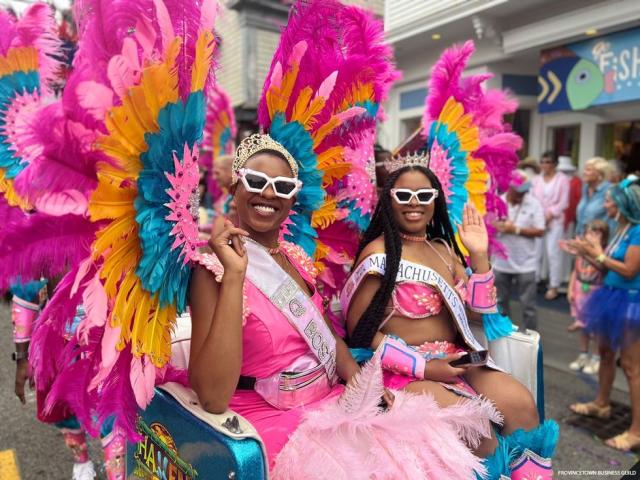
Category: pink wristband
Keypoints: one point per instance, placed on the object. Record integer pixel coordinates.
(481, 293)
(399, 357)
(23, 314)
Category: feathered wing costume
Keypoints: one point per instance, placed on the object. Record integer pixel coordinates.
(471, 149)
(321, 101)
(142, 68)
(41, 233)
(28, 48)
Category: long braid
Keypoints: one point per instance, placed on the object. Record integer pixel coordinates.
(383, 222)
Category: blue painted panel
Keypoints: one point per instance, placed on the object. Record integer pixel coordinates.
(176, 445)
(597, 71)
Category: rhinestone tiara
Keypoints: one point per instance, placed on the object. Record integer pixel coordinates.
(259, 142)
(409, 160)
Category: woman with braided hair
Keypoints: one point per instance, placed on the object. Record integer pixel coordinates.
(613, 311)
(409, 297)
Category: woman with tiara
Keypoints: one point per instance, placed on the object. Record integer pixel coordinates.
(260, 342)
(412, 292)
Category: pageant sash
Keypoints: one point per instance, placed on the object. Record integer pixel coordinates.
(414, 272)
(287, 296)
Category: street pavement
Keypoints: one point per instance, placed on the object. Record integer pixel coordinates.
(41, 454)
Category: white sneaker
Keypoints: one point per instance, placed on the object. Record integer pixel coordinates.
(592, 367)
(580, 362)
(84, 471)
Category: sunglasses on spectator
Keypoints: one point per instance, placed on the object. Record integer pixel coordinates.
(404, 196)
(257, 182)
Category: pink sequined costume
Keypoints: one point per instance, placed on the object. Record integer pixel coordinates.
(351, 438)
(270, 344)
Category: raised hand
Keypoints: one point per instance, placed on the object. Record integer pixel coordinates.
(473, 231)
(229, 248)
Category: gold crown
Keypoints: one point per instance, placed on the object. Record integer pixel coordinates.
(259, 142)
(409, 160)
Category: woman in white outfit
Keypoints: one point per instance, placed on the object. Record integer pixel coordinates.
(552, 189)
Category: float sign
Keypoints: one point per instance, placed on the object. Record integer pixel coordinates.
(156, 456)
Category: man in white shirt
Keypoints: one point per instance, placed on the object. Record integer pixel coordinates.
(518, 232)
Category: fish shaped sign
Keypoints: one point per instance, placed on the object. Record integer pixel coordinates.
(598, 71)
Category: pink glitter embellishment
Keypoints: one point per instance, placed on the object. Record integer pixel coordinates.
(184, 207)
(439, 164)
(431, 301)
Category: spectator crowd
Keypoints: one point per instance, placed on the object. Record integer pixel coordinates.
(579, 234)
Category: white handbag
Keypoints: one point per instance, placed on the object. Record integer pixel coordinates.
(519, 354)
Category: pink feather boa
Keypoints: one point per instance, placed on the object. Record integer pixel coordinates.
(352, 439)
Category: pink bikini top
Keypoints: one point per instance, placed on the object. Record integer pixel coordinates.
(417, 300)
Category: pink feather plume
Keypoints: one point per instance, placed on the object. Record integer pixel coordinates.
(36, 28)
(41, 245)
(67, 160)
(47, 341)
(355, 440)
(498, 144)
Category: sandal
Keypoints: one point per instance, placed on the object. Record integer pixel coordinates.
(590, 409)
(625, 441)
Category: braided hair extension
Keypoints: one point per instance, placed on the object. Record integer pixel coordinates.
(383, 223)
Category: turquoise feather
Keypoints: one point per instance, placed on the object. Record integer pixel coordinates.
(361, 355)
(449, 142)
(299, 144)
(28, 291)
(10, 86)
(496, 326)
(161, 269)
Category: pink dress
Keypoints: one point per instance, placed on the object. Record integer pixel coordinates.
(588, 280)
(270, 344)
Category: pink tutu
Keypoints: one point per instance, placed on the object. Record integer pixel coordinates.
(351, 438)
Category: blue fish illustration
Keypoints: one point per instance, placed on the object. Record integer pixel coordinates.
(572, 83)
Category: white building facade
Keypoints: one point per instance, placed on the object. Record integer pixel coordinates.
(594, 43)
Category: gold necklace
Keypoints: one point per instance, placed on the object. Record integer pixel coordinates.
(413, 238)
(271, 250)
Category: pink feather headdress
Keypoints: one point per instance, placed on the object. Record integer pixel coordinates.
(322, 98)
(472, 149)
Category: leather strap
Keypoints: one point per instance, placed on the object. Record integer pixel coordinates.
(246, 383)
